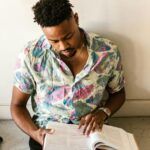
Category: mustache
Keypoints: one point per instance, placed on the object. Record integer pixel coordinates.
(68, 49)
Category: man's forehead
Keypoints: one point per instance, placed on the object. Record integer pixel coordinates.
(60, 37)
(58, 31)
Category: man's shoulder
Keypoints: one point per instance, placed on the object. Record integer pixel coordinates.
(100, 44)
(36, 48)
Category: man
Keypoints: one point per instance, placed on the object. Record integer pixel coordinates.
(65, 72)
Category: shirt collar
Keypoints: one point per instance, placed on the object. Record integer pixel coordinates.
(46, 45)
(88, 41)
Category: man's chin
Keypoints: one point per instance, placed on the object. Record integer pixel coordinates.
(68, 55)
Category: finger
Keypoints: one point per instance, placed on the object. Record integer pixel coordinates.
(50, 131)
(94, 126)
(43, 137)
(87, 122)
(44, 132)
(82, 122)
(90, 127)
(99, 126)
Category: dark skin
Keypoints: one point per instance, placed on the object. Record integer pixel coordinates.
(96, 119)
(67, 40)
(23, 119)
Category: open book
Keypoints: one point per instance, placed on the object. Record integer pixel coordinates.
(68, 136)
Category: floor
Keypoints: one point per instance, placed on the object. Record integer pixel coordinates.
(15, 139)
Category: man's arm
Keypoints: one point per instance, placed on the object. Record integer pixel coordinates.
(96, 119)
(21, 116)
(116, 100)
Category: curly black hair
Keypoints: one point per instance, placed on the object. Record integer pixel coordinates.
(51, 12)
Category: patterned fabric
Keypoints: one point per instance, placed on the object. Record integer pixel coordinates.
(55, 94)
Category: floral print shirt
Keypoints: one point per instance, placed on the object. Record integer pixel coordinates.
(55, 94)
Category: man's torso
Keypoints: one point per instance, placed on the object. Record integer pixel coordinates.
(64, 92)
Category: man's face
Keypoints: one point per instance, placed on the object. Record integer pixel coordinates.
(65, 37)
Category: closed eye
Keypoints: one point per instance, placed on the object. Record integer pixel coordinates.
(68, 37)
(54, 41)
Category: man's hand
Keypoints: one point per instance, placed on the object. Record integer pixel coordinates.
(39, 134)
(92, 121)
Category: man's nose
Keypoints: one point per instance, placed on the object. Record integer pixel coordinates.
(63, 45)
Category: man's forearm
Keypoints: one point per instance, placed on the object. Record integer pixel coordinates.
(23, 119)
(115, 101)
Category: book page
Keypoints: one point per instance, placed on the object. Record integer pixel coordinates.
(98, 141)
(116, 137)
(132, 141)
(68, 136)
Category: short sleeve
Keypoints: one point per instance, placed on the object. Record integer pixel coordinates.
(23, 78)
(116, 81)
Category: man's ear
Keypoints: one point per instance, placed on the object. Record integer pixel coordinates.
(76, 18)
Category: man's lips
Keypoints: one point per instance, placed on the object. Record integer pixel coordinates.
(68, 52)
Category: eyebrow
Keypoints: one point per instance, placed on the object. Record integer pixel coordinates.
(70, 33)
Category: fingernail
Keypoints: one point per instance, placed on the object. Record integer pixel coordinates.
(52, 131)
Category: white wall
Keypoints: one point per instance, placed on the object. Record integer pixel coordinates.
(16, 28)
(127, 22)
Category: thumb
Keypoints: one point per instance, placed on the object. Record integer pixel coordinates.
(50, 131)
(82, 122)
(46, 131)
